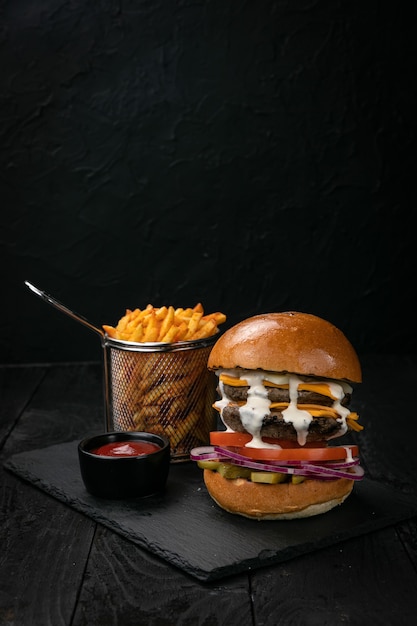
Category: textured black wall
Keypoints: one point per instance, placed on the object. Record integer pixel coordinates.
(253, 156)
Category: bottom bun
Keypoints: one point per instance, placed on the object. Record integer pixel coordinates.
(280, 501)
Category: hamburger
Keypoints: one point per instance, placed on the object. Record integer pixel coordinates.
(285, 382)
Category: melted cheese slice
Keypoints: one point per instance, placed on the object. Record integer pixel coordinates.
(234, 382)
(353, 423)
(314, 410)
(321, 388)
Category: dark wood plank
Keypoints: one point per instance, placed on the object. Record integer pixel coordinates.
(121, 581)
(45, 545)
(57, 567)
(67, 406)
(408, 535)
(17, 385)
(44, 550)
(125, 585)
(368, 580)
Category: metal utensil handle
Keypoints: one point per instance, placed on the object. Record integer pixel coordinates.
(61, 307)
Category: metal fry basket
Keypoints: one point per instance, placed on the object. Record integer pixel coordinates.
(163, 388)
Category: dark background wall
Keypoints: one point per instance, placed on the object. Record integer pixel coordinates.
(254, 156)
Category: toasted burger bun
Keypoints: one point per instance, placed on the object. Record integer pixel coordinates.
(293, 342)
(272, 502)
(290, 343)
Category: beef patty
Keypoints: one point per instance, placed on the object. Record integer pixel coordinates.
(273, 424)
(275, 394)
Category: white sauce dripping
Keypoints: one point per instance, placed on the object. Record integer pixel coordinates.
(257, 405)
(299, 418)
(338, 392)
(256, 408)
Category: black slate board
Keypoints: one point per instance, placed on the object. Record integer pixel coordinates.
(185, 527)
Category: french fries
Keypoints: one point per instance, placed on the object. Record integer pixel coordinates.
(165, 324)
(165, 392)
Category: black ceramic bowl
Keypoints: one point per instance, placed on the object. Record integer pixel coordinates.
(119, 477)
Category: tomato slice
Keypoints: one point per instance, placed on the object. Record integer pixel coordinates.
(331, 453)
(224, 438)
(220, 438)
(309, 452)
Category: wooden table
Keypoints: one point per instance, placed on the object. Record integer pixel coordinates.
(58, 566)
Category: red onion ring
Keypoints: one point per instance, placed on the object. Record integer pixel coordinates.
(326, 470)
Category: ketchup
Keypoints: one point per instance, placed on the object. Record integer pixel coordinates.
(126, 448)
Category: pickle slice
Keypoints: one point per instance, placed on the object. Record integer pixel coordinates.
(211, 465)
(271, 478)
(227, 470)
(296, 480)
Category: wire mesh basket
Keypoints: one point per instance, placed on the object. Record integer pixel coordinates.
(163, 388)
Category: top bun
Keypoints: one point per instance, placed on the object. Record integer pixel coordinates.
(293, 342)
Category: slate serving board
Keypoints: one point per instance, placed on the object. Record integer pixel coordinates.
(185, 527)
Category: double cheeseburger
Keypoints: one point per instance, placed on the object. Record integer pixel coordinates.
(285, 385)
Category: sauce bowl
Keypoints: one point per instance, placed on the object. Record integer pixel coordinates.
(120, 476)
